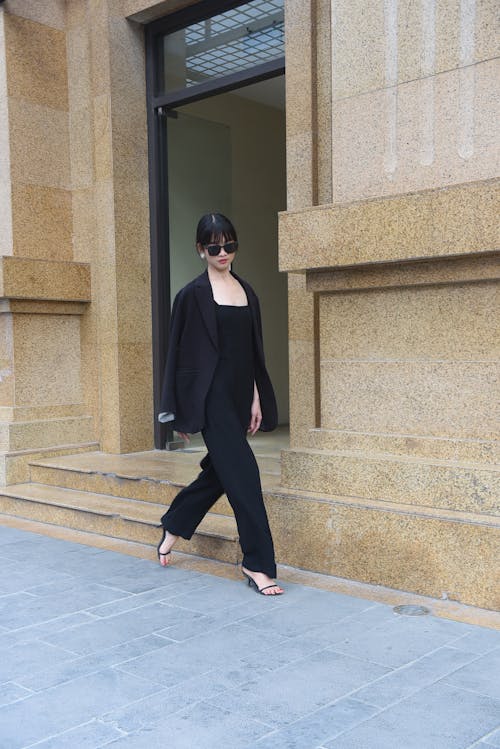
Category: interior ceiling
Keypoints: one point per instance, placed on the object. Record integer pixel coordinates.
(270, 92)
(234, 40)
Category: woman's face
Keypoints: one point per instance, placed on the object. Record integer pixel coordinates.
(219, 262)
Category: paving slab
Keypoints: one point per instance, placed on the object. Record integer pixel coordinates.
(440, 717)
(87, 736)
(482, 675)
(100, 649)
(320, 726)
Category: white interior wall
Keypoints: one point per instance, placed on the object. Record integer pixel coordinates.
(238, 167)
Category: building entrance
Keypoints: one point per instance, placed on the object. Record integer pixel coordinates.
(217, 142)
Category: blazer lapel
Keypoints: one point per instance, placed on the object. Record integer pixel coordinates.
(205, 299)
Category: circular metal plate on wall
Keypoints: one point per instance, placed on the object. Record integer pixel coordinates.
(409, 609)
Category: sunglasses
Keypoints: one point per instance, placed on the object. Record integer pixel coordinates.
(214, 249)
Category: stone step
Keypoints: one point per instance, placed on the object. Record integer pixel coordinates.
(15, 464)
(443, 484)
(44, 433)
(116, 517)
(440, 553)
(157, 476)
(119, 482)
(430, 448)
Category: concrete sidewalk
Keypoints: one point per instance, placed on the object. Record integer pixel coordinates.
(98, 648)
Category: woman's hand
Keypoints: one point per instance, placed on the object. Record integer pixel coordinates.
(183, 436)
(255, 412)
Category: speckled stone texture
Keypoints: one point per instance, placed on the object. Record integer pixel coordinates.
(413, 90)
(35, 279)
(41, 406)
(44, 293)
(429, 553)
(144, 11)
(394, 356)
(302, 350)
(406, 439)
(300, 94)
(75, 188)
(416, 482)
(433, 223)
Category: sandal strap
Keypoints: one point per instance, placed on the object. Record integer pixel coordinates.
(274, 585)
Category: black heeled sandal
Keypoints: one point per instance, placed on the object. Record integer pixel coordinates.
(162, 553)
(253, 584)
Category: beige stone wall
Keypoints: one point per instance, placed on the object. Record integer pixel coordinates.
(37, 104)
(44, 293)
(391, 243)
(111, 218)
(408, 105)
(413, 95)
(75, 186)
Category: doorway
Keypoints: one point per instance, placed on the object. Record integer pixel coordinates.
(217, 142)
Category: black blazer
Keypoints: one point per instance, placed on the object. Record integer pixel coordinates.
(193, 354)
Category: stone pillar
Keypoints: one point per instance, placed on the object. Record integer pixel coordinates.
(43, 292)
(394, 353)
(74, 189)
(41, 408)
(111, 212)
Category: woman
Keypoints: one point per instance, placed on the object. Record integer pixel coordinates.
(216, 382)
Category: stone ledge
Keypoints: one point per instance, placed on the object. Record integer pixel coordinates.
(442, 448)
(415, 482)
(453, 221)
(456, 270)
(44, 433)
(33, 279)
(41, 307)
(15, 464)
(145, 11)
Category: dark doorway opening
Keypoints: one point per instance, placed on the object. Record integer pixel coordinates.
(215, 81)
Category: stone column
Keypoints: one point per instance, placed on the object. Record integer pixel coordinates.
(74, 188)
(107, 91)
(43, 292)
(397, 425)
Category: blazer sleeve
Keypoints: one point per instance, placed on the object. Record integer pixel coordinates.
(167, 401)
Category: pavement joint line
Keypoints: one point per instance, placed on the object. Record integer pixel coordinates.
(462, 688)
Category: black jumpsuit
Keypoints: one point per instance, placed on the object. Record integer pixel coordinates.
(230, 464)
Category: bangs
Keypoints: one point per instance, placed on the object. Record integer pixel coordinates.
(215, 227)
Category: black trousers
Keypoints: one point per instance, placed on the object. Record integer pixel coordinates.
(229, 467)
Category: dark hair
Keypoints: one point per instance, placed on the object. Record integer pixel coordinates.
(213, 227)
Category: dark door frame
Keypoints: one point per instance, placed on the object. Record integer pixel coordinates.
(159, 106)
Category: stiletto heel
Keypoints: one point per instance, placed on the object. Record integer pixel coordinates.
(161, 553)
(253, 584)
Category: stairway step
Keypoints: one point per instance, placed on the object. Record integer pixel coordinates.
(106, 478)
(128, 519)
(419, 482)
(157, 476)
(285, 494)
